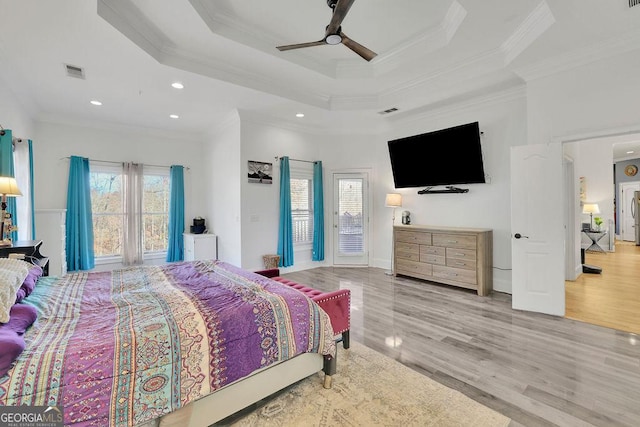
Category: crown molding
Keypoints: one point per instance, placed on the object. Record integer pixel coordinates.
(229, 121)
(270, 121)
(67, 120)
(579, 57)
(533, 26)
(221, 22)
(480, 63)
(482, 101)
(240, 76)
(426, 42)
(453, 19)
(371, 127)
(128, 19)
(124, 16)
(356, 102)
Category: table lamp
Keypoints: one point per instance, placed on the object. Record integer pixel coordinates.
(591, 208)
(393, 200)
(8, 188)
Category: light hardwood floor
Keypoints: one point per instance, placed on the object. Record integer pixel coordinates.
(539, 370)
(612, 298)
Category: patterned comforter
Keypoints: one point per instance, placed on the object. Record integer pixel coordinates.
(124, 347)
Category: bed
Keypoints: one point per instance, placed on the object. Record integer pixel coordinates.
(185, 343)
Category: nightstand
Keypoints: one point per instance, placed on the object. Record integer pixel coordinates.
(200, 246)
(29, 250)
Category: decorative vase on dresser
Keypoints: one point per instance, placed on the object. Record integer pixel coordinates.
(450, 255)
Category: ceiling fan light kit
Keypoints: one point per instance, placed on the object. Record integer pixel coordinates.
(333, 39)
(334, 35)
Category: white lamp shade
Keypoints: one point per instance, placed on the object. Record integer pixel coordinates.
(590, 208)
(9, 186)
(393, 200)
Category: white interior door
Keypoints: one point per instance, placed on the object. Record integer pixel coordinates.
(627, 222)
(537, 228)
(350, 219)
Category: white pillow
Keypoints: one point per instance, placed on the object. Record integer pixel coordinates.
(12, 275)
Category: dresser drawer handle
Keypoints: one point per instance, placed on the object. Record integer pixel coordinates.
(459, 254)
(461, 263)
(452, 241)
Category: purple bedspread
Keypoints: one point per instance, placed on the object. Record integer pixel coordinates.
(123, 347)
(12, 334)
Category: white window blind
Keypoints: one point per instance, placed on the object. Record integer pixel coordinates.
(350, 222)
(302, 205)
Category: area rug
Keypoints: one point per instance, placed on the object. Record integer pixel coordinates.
(370, 389)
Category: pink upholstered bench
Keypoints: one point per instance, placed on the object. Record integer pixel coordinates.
(337, 304)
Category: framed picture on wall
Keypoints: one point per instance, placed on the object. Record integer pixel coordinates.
(260, 172)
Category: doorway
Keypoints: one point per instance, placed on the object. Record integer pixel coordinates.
(605, 299)
(351, 218)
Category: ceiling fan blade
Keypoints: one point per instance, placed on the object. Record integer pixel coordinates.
(300, 45)
(339, 13)
(365, 53)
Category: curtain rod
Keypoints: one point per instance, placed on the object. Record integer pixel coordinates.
(297, 160)
(119, 163)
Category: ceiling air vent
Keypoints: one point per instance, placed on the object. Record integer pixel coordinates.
(634, 3)
(391, 110)
(74, 71)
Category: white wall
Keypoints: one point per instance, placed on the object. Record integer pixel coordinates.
(13, 115)
(222, 192)
(263, 141)
(362, 153)
(594, 99)
(593, 160)
(502, 120)
(54, 143)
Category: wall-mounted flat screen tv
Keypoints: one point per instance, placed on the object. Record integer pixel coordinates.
(444, 157)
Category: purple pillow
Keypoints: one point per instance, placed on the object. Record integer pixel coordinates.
(29, 283)
(12, 334)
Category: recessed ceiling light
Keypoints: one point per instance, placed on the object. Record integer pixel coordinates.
(300, 115)
(96, 102)
(630, 152)
(177, 85)
(174, 116)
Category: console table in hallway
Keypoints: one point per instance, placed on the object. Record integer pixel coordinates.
(595, 237)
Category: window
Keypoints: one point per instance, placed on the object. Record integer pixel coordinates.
(155, 211)
(107, 210)
(109, 219)
(302, 206)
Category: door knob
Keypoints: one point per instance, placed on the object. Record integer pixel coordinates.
(519, 236)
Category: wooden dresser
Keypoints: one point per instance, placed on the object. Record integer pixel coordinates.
(451, 255)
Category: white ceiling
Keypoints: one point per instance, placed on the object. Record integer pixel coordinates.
(429, 54)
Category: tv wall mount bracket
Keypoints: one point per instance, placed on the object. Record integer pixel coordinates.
(449, 190)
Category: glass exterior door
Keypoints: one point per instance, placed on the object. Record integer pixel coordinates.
(350, 219)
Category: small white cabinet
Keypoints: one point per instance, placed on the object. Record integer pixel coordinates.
(200, 246)
(51, 229)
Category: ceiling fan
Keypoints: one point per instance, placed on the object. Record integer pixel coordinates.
(333, 34)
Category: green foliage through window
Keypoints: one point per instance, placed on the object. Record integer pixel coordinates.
(109, 217)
